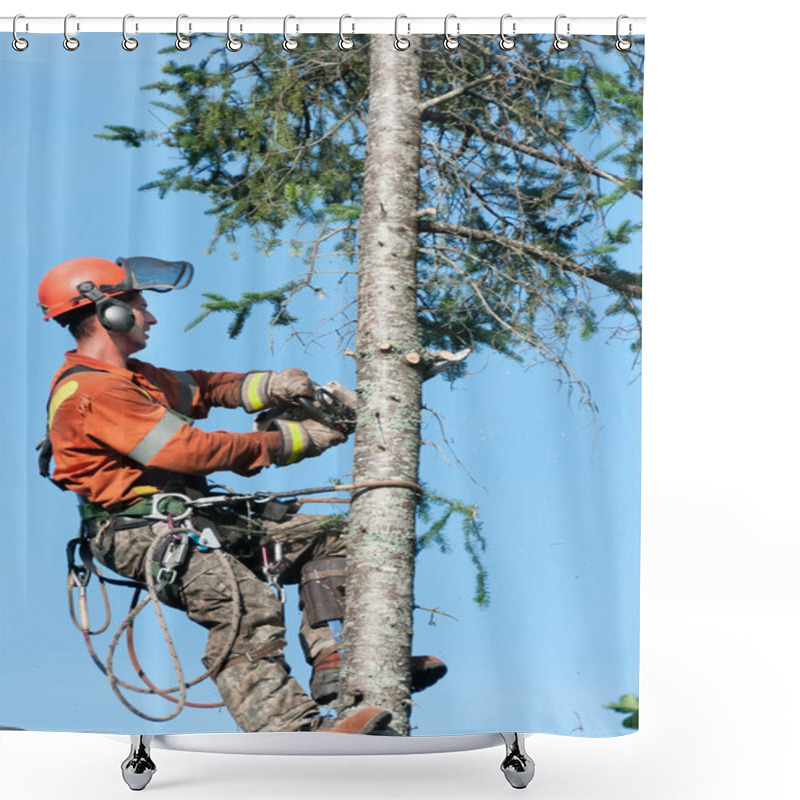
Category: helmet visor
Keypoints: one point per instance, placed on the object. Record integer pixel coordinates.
(156, 275)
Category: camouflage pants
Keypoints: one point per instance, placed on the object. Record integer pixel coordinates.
(259, 692)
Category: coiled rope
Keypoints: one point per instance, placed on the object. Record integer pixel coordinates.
(182, 685)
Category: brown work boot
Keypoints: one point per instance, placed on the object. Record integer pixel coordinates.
(366, 720)
(425, 671)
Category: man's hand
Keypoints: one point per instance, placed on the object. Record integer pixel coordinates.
(289, 384)
(299, 440)
(322, 437)
(269, 389)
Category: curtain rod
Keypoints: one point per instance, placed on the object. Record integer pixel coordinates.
(297, 25)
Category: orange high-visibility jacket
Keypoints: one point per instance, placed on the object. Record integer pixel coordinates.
(115, 437)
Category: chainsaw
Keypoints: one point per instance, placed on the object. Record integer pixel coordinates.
(333, 405)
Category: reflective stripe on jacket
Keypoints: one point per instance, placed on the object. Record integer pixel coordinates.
(117, 433)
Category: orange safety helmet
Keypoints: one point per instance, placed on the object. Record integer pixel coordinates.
(59, 292)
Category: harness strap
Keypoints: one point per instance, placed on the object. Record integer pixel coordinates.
(89, 511)
(271, 650)
(80, 547)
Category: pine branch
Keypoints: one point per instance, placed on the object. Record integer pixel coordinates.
(473, 539)
(241, 309)
(627, 283)
(578, 164)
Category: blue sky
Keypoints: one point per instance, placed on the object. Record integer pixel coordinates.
(558, 492)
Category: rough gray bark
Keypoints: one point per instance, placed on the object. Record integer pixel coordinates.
(381, 540)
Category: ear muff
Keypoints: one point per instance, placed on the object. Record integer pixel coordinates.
(114, 315)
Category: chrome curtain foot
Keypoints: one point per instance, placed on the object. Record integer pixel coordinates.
(138, 768)
(518, 766)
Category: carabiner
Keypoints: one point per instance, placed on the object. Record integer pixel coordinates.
(19, 44)
(70, 42)
(173, 559)
(401, 42)
(560, 42)
(79, 576)
(289, 43)
(345, 43)
(165, 516)
(623, 44)
(181, 41)
(234, 45)
(451, 42)
(507, 42)
(128, 42)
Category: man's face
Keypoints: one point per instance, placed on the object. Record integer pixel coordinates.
(136, 338)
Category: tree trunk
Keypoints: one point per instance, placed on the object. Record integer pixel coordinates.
(381, 541)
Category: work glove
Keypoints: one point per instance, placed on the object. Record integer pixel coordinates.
(299, 440)
(267, 389)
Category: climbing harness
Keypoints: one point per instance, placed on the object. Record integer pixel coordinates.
(163, 563)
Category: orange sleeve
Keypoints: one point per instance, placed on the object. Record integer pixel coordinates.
(194, 392)
(126, 421)
(219, 388)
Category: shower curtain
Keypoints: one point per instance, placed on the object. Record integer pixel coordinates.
(454, 233)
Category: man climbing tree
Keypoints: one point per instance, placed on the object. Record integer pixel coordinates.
(483, 194)
(121, 436)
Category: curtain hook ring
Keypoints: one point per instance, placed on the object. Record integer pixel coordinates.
(181, 41)
(70, 42)
(289, 43)
(507, 42)
(19, 44)
(560, 42)
(344, 42)
(233, 44)
(451, 42)
(401, 42)
(128, 42)
(623, 44)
